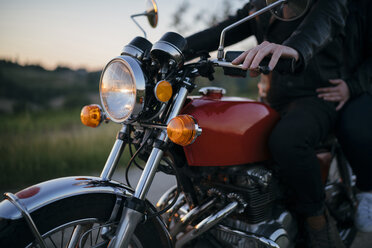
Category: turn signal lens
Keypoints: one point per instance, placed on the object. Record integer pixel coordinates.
(163, 91)
(91, 115)
(183, 130)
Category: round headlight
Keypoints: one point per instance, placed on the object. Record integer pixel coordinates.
(122, 89)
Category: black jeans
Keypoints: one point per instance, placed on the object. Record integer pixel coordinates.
(354, 132)
(304, 123)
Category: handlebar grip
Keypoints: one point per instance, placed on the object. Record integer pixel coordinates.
(284, 65)
(231, 55)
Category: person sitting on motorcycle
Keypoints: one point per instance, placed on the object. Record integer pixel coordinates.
(354, 97)
(314, 42)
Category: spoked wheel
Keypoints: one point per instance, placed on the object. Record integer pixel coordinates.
(79, 221)
(82, 233)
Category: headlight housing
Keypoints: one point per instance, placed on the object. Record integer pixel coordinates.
(122, 89)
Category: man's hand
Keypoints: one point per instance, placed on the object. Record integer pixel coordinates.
(252, 58)
(339, 93)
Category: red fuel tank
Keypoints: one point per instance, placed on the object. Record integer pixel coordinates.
(235, 130)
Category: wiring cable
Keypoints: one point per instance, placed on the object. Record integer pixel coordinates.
(133, 157)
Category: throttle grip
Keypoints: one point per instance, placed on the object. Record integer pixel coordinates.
(284, 65)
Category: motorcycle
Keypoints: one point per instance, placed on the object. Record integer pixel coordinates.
(228, 193)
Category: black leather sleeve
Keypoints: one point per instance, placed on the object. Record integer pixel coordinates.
(208, 40)
(360, 22)
(325, 20)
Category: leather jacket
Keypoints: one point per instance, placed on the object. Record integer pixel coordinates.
(358, 48)
(317, 36)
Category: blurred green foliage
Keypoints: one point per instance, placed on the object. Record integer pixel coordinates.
(40, 130)
(40, 146)
(32, 88)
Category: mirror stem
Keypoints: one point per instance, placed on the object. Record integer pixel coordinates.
(135, 15)
(220, 52)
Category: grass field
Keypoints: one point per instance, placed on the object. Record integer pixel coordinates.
(36, 147)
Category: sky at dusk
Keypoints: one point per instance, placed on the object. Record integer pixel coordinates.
(82, 33)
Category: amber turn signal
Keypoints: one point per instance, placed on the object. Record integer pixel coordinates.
(183, 130)
(91, 115)
(163, 91)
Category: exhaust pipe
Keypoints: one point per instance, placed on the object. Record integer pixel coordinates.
(206, 224)
(163, 201)
(190, 216)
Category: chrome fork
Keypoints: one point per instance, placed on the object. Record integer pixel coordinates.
(133, 211)
(115, 154)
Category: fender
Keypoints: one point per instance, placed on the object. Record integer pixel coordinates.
(39, 195)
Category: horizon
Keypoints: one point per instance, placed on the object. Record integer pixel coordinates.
(58, 66)
(78, 35)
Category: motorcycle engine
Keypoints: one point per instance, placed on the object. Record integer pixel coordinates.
(261, 224)
(253, 185)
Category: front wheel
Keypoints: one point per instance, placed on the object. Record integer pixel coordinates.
(78, 221)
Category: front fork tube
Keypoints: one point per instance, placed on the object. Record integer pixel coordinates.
(131, 217)
(115, 154)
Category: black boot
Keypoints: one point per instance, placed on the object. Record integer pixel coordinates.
(326, 236)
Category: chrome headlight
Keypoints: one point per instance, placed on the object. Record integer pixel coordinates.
(122, 89)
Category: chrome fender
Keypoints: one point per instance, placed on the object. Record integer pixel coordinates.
(42, 194)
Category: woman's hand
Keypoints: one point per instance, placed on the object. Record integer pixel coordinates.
(252, 58)
(339, 93)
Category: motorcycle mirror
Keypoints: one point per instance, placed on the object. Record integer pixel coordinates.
(152, 12)
(289, 10)
(286, 9)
